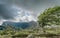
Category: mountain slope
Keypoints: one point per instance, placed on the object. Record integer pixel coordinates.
(22, 25)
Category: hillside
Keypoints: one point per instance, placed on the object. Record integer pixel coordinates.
(23, 25)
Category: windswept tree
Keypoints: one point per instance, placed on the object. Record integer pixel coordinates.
(50, 16)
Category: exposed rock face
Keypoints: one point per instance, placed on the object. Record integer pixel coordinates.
(31, 36)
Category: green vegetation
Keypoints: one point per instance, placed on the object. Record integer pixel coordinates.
(50, 17)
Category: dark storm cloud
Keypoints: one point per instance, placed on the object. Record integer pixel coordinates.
(7, 12)
(36, 5)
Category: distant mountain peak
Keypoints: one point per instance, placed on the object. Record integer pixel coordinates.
(23, 25)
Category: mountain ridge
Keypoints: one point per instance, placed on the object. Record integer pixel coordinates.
(23, 25)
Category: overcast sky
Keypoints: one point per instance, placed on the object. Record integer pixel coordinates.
(24, 10)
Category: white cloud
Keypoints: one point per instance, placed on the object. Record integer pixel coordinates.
(1, 21)
(21, 16)
(26, 17)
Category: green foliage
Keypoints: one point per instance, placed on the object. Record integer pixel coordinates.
(50, 16)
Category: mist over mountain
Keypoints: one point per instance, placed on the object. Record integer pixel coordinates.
(23, 25)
